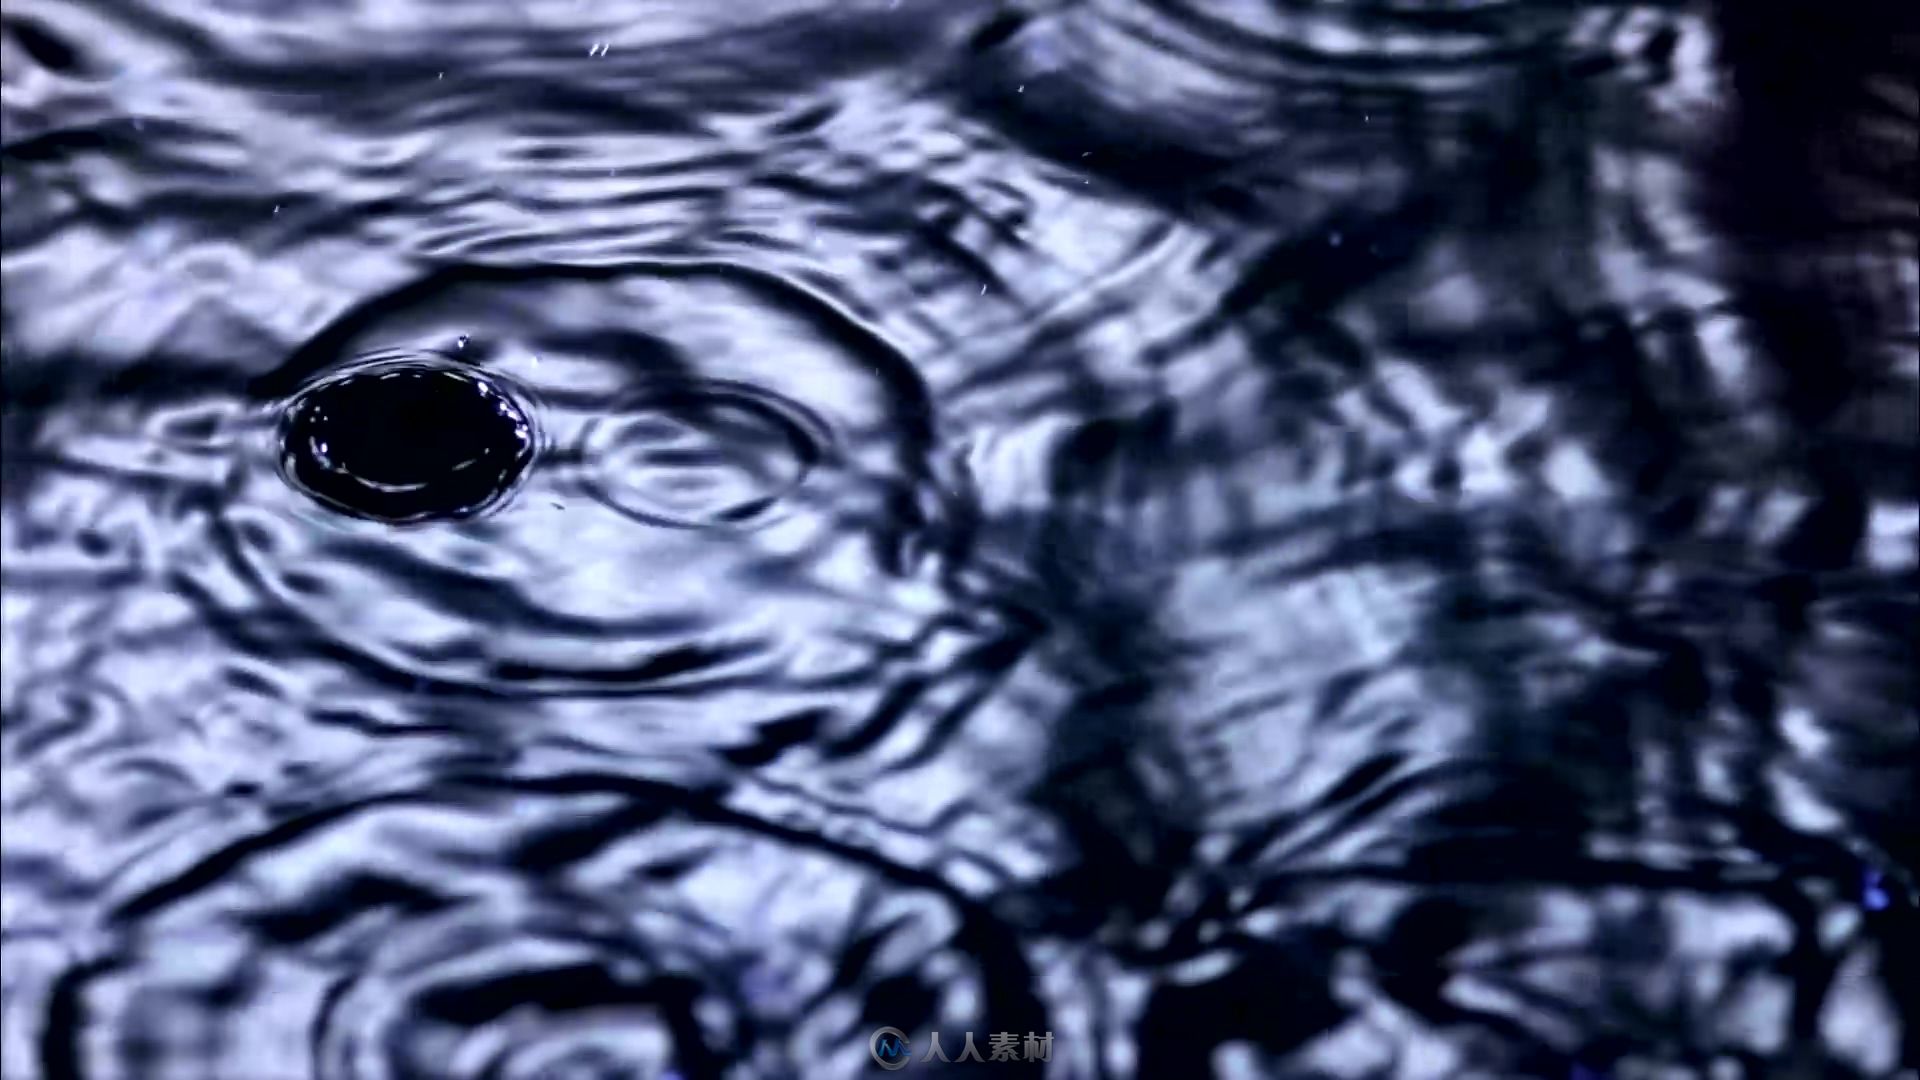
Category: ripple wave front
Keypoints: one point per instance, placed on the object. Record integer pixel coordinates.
(576, 927)
(677, 404)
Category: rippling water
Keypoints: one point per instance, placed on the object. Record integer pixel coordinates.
(553, 540)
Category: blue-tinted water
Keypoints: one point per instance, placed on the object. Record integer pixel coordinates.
(561, 540)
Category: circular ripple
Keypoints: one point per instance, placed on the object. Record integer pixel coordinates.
(702, 454)
(727, 459)
(584, 926)
(406, 440)
(555, 991)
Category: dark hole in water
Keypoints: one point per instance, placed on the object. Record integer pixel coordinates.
(406, 442)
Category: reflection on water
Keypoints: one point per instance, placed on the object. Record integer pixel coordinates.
(549, 540)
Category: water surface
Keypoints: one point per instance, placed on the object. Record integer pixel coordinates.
(558, 540)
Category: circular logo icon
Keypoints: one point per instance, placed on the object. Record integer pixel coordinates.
(889, 1048)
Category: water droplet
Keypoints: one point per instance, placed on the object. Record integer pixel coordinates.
(405, 441)
(1873, 891)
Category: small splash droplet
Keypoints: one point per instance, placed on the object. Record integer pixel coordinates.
(1334, 239)
(1873, 892)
